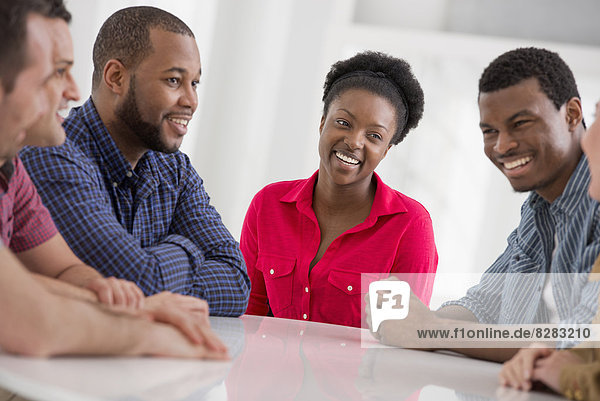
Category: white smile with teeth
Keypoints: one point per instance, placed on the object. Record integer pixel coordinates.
(179, 121)
(517, 163)
(347, 159)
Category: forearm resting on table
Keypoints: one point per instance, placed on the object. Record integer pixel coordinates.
(460, 315)
(456, 312)
(38, 322)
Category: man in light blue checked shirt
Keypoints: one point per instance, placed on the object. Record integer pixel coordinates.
(123, 196)
(531, 120)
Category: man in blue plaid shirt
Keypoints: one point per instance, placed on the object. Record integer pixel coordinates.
(123, 196)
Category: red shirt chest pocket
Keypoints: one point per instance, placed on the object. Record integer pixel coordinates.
(278, 273)
(350, 282)
(347, 299)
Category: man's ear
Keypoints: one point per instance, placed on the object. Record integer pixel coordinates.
(115, 76)
(574, 113)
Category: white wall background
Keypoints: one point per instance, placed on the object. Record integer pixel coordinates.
(264, 62)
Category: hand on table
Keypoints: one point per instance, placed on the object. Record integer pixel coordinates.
(188, 314)
(536, 364)
(403, 332)
(117, 292)
(518, 371)
(547, 370)
(165, 340)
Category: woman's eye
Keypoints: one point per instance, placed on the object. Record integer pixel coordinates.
(375, 135)
(173, 81)
(342, 122)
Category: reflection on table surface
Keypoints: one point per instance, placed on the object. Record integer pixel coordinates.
(272, 359)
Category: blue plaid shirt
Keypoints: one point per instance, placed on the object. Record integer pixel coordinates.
(558, 237)
(153, 225)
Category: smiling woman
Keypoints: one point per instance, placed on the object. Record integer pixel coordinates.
(307, 242)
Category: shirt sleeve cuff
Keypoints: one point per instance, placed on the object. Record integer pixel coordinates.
(476, 308)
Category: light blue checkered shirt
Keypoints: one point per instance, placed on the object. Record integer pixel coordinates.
(508, 294)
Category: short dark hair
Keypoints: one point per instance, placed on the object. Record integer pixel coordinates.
(125, 36)
(13, 31)
(554, 76)
(384, 75)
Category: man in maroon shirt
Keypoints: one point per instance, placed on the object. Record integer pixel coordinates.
(25, 224)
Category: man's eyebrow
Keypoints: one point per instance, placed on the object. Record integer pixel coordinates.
(519, 114)
(181, 70)
(176, 69)
(65, 61)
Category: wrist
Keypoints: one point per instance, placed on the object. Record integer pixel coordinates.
(143, 334)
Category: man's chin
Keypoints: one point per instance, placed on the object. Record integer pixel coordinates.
(171, 150)
(168, 147)
(47, 139)
(521, 187)
(163, 148)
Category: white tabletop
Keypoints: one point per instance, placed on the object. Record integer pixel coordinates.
(272, 359)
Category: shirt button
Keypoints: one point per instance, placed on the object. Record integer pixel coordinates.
(129, 174)
(115, 184)
(349, 288)
(305, 289)
(272, 271)
(305, 316)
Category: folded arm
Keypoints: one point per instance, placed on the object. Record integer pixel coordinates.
(196, 256)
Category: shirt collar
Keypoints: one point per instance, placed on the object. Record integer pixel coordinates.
(386, 202)
(6, 172)
(575, 192)
(8, 169)
(118, 167)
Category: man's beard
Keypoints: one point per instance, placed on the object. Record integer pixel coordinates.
(147, 133)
